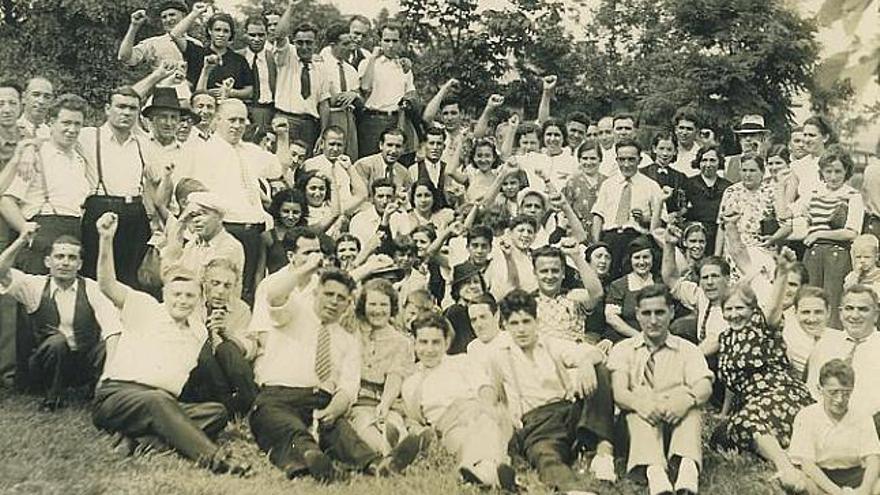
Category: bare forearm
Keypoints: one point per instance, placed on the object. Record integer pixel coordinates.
(598, 223)
(243, 93)
(7, 257)
(12, 214)
(620, 326)
(819, 478)
(669, 266)
(391, 390)
(126, 47)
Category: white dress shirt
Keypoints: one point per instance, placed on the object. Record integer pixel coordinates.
(865, 398)
(262, 72)
(28, 290)
(332, 85)
(288, 90)
(233, 172)
(644, 195)
(832, 444)
(122, 167)
(390, 84)
(65, 187)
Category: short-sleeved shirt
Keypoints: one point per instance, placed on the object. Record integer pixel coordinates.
(832, 444)
(385, 352)
(704, 200)
(431, 391)
(864, 357)
(232, 65)
(288, 92)
(152, 348)
(390, 84)
(832, 210)
(676, 363)
(197, 253)
(871, 189)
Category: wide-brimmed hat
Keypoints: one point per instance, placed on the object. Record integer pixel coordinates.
(750, 124)
(166, 99)
(464, 271)
(527, 191)
(391, 273)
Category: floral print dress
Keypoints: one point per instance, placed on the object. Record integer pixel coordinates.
(753, 365)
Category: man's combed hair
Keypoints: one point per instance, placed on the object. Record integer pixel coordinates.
(69, 102)
(432, 319)
(518, 300)
(336, 275)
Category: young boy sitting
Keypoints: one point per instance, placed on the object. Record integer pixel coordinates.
(837, 449)
(864, 252)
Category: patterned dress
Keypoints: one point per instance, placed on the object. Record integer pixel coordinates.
(752, 363)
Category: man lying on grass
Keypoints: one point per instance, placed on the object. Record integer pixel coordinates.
(150, 360)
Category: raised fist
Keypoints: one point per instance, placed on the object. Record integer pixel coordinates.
(107, 224)
(495, 101)
(406, 64)
(28, 231)
(138, 17)
(550, 82)
(212, 61)
(200, 7)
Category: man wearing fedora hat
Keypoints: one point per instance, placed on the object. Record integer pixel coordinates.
(115, 169)
(752, 136)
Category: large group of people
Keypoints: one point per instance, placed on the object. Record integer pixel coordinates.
(285, 235)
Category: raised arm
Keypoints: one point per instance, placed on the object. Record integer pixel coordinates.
(178, 34)
(7, 257)
(549, 83)
(145, 86)
(285, 24)
(126, 48)
(279, 288)
(110, 286)
(481, 128)
(784, 261)
(592, 291)
(669, 265)
(433, 106)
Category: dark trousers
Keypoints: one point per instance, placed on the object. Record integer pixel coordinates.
(53, 365)
(261, 115)
(618, 241)
(8, 312)
(130, 243)
(871, 225)
(827, 265)
(222, 375)
(280, 423)
(552, 434)
(303, 127)
(31, 259)
(249, 237)
(370, 127)
(137, 410)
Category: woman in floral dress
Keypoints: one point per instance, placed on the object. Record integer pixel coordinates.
(753, 366)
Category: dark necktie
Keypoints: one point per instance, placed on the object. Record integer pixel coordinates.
(305, 79)
(701, 331)
(256, 72)
(852, 352)
(343, 86)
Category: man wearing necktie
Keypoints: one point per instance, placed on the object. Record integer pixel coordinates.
(261, 107)
(67, 314)
(858, 344)
(309, 370)
(660, 382)
(300, 82)
(359, 28)
(340, 96)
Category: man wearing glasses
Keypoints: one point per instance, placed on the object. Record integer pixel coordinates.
(299, 79)
(858, 344)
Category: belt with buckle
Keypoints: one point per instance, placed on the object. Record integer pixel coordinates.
(120, 199)
(384, 113)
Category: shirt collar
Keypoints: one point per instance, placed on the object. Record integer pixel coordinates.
(54, 288)
(670, 342)
(108, 131)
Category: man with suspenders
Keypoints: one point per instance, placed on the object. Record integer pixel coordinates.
(115, 169)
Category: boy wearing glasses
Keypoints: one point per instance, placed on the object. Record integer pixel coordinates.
(837, 448)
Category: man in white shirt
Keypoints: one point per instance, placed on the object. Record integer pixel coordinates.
(36, 99)
(359, 28)
(629, 204)
(69, 318)
(387, 84)
(53, 189)
(231, 168)
(116, 167)
(334, 164)
(858, 344)
(555, 413)
(623, 127)
(341, 94)
(300, 80)
(384, 213)
(158, 49)
(149, 360)
(261, 60)
(309, 371)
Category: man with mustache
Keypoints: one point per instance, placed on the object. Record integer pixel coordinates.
(115, 169)
(53, 186)
(383, 165)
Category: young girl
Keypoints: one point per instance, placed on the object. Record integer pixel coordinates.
(427, 210)
(481, 175)
(582, 188)
(289, 209)
(323, 205)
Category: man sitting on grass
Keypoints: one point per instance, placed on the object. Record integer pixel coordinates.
(150, 360)
(555, 414)
(836, 448)
(454, 395)
(660, 383)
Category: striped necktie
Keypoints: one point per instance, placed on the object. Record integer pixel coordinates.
(856, 343)
(648, 374)
(323, 361)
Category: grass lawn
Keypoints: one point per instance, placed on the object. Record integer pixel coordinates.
(62, 453)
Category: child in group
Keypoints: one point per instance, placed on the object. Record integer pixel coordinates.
(864, 252)
(482, 172)
(837, 449)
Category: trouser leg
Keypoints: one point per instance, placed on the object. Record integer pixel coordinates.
(685, 440)
(251, 243)
(49, 362)
(138, 410)
(645, 443)
(240, 376)
(591, 420)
